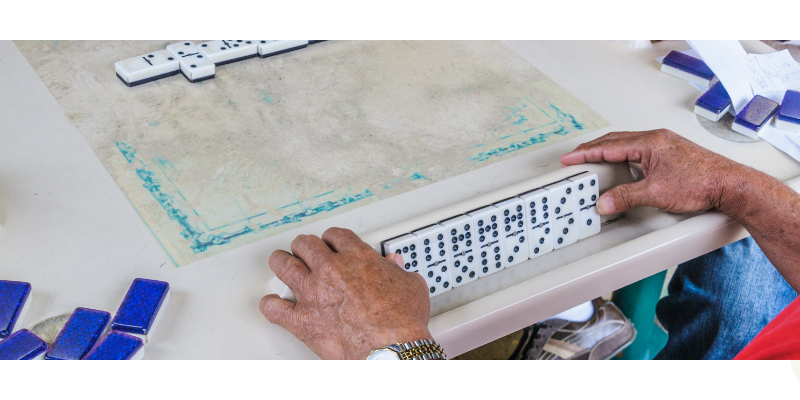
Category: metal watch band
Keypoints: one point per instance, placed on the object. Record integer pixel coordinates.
(425, 349)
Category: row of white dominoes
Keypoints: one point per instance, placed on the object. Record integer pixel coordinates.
(198, 62)
(466, 247)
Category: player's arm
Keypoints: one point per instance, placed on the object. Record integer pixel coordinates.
(681, 176)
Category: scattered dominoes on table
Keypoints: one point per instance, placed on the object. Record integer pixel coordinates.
(688, 68)
(22, 345)
(15, 298)
(117, 346)
(754, 116)
(198, 62)
(789, 114)
(496, 236)
(194, 65)
(223, 52)
(269, 48)
(78, 335)
(714, 103)
(141, 309)
(147, 68)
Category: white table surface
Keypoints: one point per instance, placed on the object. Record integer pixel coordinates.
(68, 230)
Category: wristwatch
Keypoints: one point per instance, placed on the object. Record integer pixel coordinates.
(424, 349)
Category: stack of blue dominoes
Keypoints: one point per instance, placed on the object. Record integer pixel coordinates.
(198, 62)
(716, 102)
(88, 334)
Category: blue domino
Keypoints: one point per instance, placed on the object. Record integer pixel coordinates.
(789, 113)
(688, 68)
(14, 299)
(79, 334)
(754, 116)
(714, 103)
(117, 346)
(141, 309)
(22, 345)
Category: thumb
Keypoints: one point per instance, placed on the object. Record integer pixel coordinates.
(395, 258)
(623, 198)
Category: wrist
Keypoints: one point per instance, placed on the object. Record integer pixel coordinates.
(739, 186)
(394, 337)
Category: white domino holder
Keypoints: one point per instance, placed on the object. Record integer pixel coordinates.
(562, 196)
(147, 67)
(269, 48)
(609, 175)
(223, 52)
(513, 231)
(433, 258)
(587, 192)
(463, 260)
(540, 227)
(194, 65)
(488, 241)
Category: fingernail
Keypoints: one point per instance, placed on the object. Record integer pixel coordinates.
(605, 205)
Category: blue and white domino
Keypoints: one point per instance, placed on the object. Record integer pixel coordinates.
(563, 214)
(714, 103)
(269, 48)
(587, 191)
(82, 330)
(688, 68)
(15, 299)
(117, 346)
(489, 246)
(194, 65)
(513, 231)
(147, 67)
(22, 345)
(433, 265)
(788, 117)
(142, 308)
(537, 211)
(463, 261)
(754, 116)
(229, 51)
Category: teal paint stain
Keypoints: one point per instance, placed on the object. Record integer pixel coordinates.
(417, 176)
(482, 144)
(324, 194)
(514, 146)
(195, 212)
(562, 116)
(391, 183)
(266, 98)
(127, 152)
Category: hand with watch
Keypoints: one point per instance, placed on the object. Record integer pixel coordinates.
(352, 303)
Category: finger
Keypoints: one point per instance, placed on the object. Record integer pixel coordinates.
(289, 269)
(625, 197)
(312, 250)
(341, 240)
(279, 311)
(612, 150)
(396, 258)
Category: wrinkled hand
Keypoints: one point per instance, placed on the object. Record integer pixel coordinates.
(680, 176)
(350, 299)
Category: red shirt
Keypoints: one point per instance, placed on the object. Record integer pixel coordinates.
(779, 340)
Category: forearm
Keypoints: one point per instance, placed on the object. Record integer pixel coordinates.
(770, 211)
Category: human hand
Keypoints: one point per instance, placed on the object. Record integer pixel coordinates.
(350, 299)
(680, 176)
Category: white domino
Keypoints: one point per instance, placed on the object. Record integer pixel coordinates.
(540, 225)
(147, 67)
(587, 190)
(488, 246)
(195, 66)
(459, 232)
(563, 213)
(406, 246)
(229, 51)
(433, 256)
(268, 48)
(513, 231)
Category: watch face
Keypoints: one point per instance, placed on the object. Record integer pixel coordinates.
(383, 354)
